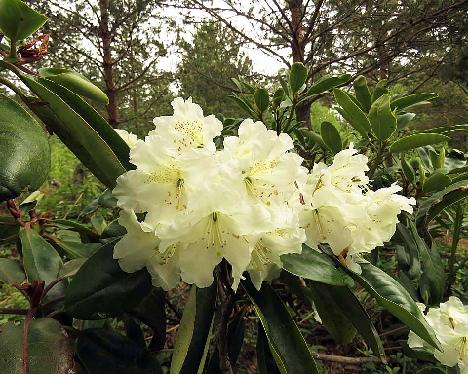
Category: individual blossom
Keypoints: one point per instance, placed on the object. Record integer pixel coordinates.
(450, 325)
(271, 172)
(139, 248)
(129, 137)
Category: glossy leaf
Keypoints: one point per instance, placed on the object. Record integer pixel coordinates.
(410, 100)
(413, 141)
(261, 99)
(404, 119)
(291, 353)
(106, 351)
(101, 289)
(76, 249)
(75, 82)
(50, 351)
(327, 83)
(447, 200)
(353, 113)
(393, 297)
(11, 271)
(83, 230)
(297, 76)
(316, 266)
(93, 118)
(382, 119)
(331, 137)
(408, 170)
(194, 330)
(18, 20)
(76, 134)
(362, 92)
(41, 261)
(436, 182)
(70, 268)
(27, 162)
(265, 362)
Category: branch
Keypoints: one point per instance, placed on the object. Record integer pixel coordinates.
(14, 311)
(139, 76)
(313, 19)
(346, 360)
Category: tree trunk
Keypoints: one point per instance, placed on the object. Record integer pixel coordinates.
(107, 64)
(298, 48)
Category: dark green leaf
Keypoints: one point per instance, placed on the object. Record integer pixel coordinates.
(27, 162)
(41, 261)
(101, 289)
(261, 99)
(50, 351)
(243, 104)
(331, 137)
(288, 346)
(106, 351)
(194, 330)
(416, 140)
(11, 271)
(76, 134)
(393, 297)
(18, 21)
(327, 83)
(151, 311)
(70, 268)
(353, 114)
(382, 119)
(409, 100)
(297, 77)
(75, 82)
(113, 230)
(9, 228)
(75, 249)
(408, 170)
(265, 362)
(436, 182)
(362, 92)
(83, 230)
(313, 137)
(316, 266)
(93, 119)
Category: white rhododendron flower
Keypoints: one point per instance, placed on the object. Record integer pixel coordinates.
(248, 203)
(129, 137)
(450, 324)
(341, 210)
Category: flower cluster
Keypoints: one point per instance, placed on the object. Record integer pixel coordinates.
(450, 324)
(188, 205)
(342, 211)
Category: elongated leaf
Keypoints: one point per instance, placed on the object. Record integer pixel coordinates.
(151, 311)
(74, 249)
(70, 268)
(436, 182)
(379, 89)
(50, 351)
(393, 297)
(9, 229)
(106, 351)
(417, 140)
(41, 260)
(265, 362)
(92, 118)
(75, 82)
(447, 129)
(408, 170)
(353, 114)
(362, 92)
(327, 83)
(77, 134)
(382, 119)
(331, 137)
(243, 104)
(404, 119)
(288, 347)
(101, 289)
(409, 100)
(311, 264)
(194, 330)
(261, 99)
(24, 150)
(297, 76)
(11, 271)
(313, 137)
(18, 21)
(83, 230)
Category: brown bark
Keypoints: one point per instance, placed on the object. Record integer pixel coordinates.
(298, 42)
(107, 63)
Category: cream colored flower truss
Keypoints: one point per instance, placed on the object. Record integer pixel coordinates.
(249, 203)
(341, 210)
(450, 324)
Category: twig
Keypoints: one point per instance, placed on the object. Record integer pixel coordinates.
(13, 311)
(344, 359)
(25, 349)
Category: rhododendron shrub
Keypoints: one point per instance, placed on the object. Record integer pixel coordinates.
(257, 218)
